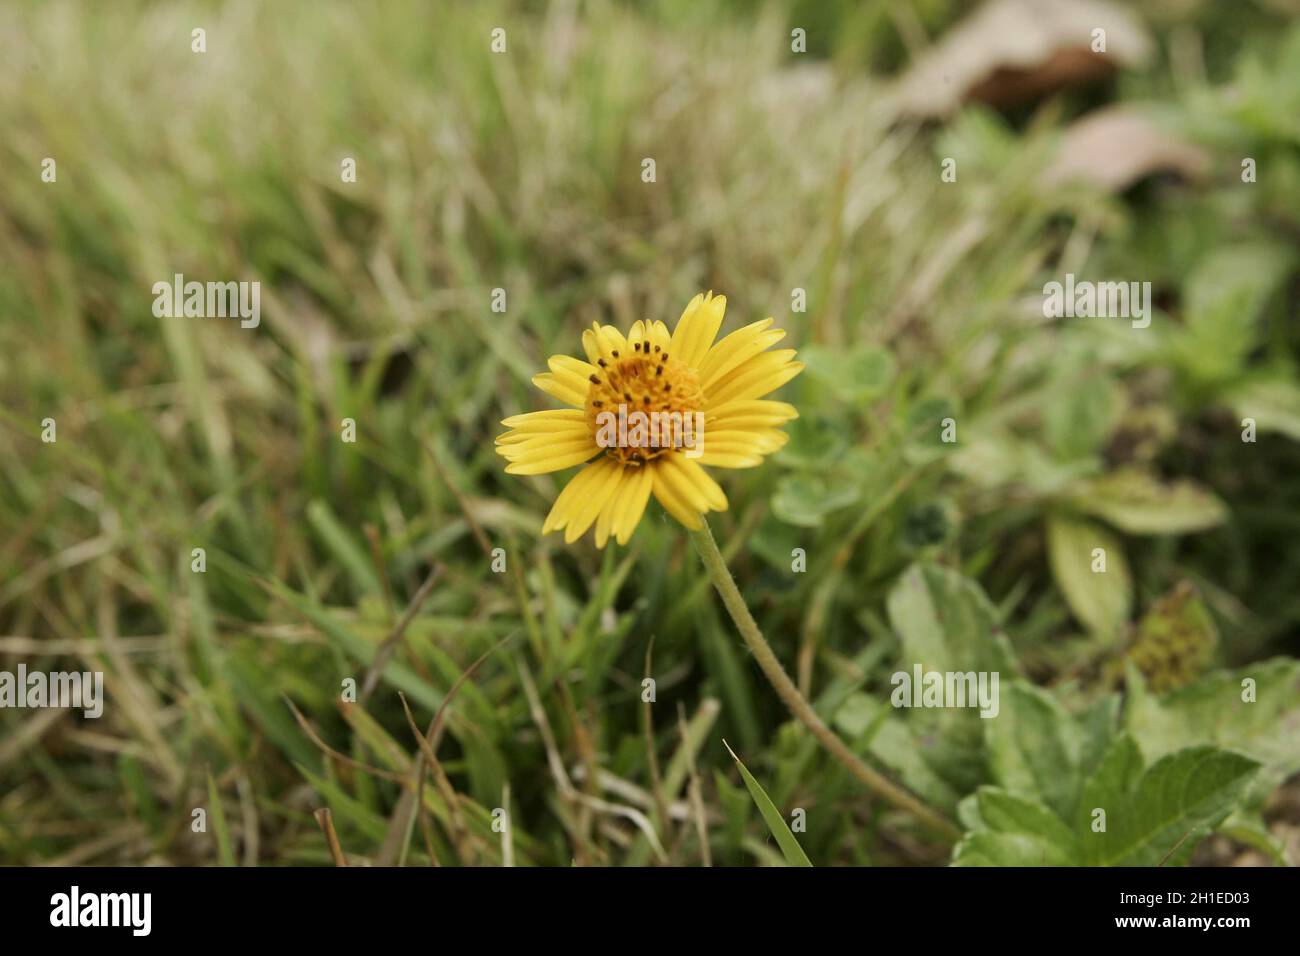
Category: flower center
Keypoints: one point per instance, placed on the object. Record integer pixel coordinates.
(642, 405)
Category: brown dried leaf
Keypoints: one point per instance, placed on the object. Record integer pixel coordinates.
(1115, 147)
(1011, 51)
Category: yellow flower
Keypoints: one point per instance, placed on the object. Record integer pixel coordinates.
(683, 377)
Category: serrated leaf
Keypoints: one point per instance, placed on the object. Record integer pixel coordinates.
(1152, 817)
(790, 848)
(1100, 600)
(1157, 817)
(1014, 831)
(1212, 711)
(1139, 503)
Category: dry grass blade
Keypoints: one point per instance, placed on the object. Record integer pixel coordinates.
(341, 757)
(399, 827)
(326, 821)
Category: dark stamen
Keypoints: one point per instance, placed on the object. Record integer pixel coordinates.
(594, 380)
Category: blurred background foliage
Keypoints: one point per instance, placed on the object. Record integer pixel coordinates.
(776, 171)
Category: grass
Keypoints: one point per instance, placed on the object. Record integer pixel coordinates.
(522, 172)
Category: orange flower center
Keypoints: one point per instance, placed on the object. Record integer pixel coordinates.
(647, 391)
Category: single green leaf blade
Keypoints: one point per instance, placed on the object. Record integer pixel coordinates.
(221, 831)
(1101, 600)
(790, 848)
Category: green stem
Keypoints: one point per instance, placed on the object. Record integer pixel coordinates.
(798, 704)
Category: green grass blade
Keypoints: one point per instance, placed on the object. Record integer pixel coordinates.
(790, 848)
(225, 847)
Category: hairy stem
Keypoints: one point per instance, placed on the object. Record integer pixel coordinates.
(798, 704)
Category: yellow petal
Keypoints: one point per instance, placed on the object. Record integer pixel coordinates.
(739, 346)
(692, 483)
(755, 378)
(604, 342)
(573, 492)
(584, 511)
(552, 385)
(629, 498)
(719, 458)
(542, 447)
(559, 425)
(749, 413)
(697, 328)
(751, 441)
(659, 335)
(636, 334)
(632, 503)
(574, 367)
(590, 345)
(555, 462)
(552, 419)
(667, 495)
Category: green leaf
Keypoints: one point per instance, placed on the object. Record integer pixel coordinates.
(1245, 274)
(854, 375)
(815, 441)
(1152, 817)
(1101, 600)
(346, 808)
(806, 499)
(1158, 816)
(1036, 748)
(220, 831)
(1225, 297)
(1081, 412)
(997, 459)
(946, 623)
(343, 547)
(790, 848)
(1273, 404)
(1139, 503)
(918, 763)
(396, 673)
(1212, 711)
(1014, 831)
